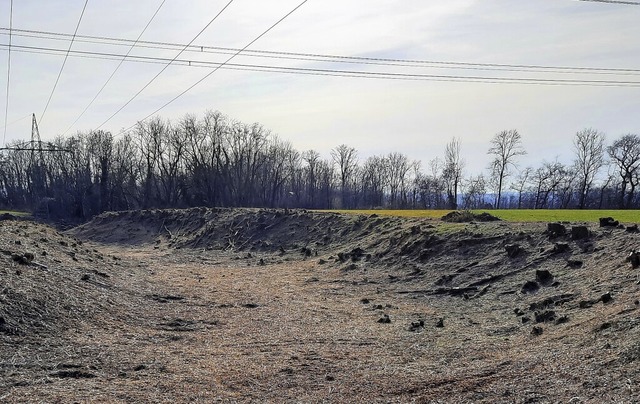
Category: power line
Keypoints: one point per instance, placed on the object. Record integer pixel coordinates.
(190, 62)
(221, 65)
(6, 106)
(19, 119)
(629, 3)
(346, 59)
(309, 56)
(166, 66)
(331, 72)
(65, 61)
(116, 69)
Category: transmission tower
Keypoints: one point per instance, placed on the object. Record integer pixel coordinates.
(38, 177)
(35, 145)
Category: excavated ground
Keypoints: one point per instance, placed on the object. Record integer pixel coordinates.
(239, 305)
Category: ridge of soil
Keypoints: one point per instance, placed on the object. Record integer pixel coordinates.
(202, 305)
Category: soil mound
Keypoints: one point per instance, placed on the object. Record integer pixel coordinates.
(233, 228)
(305, 302)
(458, 216)
(379, 239)
(457, 259)
(50, 282)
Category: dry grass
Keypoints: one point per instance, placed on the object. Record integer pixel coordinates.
(242, 333)
(197, 325)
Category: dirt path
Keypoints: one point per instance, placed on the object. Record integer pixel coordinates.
(216, 326)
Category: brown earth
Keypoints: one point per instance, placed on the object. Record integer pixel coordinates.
(240, 305)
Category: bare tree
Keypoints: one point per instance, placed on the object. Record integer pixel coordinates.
(148, 137)
(125, 174)
(326, 186)
(476, 189)
(625, 153)
(246, 148)
(452, 171)
(565, 190)
(414, 190)
(346, 158)
(606, 188)
(398, 168)
(215, 161)
(312, 160)
(279, 157)
(431, 187)
(373, 179)
(547, 181)
(588, 146)
(101, 151)
(506, 146)
(521, 182)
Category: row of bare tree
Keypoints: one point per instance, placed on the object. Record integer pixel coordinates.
(599, 176)
(215, 161)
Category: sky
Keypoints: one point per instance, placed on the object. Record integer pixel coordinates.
(375, 115)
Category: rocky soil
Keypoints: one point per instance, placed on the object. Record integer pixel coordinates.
(240, 305)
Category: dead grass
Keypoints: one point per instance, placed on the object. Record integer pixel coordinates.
(206, 325)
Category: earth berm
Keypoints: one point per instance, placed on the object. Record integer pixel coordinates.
(241, 305)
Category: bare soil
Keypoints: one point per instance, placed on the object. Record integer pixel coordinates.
(249, 305)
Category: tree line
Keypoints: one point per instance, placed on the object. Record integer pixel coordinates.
(217, 161)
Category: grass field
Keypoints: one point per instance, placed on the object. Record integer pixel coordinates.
(11, 212)
(518, 215)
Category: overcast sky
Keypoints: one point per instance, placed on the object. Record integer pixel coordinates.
(376, 116)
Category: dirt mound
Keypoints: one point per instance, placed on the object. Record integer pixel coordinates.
(419, 246)
(461, 258)
(235, 229)
(379, 239)
(303, 306)
(49, 281)
(458, 216)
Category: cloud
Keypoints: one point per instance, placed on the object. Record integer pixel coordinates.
(375, 116)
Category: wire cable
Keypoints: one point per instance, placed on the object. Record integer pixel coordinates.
(135, 58)
(19, 119)
(347, 59)
(63, 63)
(6, 106)
(221, 65)
(116, 69)
(311, 56)
(166, 66)
(629, 3)
(333, 72)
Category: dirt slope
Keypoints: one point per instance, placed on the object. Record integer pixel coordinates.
(444, 256)
(264, 305)
(49, 281)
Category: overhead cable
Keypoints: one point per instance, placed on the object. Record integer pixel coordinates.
(117, 68)
(629, 3)
(307, 56)
(64, 62)
(469, 66)
(166, 66)
(6, 105)
(336, 72)
(221, 65)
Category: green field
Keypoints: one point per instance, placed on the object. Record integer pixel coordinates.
(517, 215)
(11, 212)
